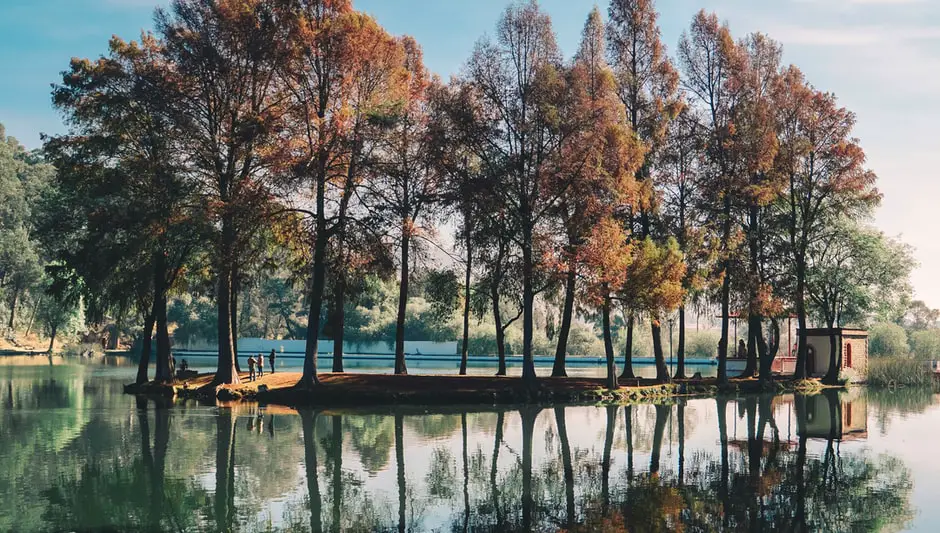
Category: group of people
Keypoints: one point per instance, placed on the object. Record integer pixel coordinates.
(256, 365)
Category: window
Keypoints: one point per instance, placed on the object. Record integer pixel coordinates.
(848, 355)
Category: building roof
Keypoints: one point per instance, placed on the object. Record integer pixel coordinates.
(825, 332)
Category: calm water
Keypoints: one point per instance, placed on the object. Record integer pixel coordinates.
(78, 455)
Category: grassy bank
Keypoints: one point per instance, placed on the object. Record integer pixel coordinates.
(899, 371)
(356, 390)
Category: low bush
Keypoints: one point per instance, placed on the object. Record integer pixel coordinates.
(701, 344)
(899, 371)
(887, 339)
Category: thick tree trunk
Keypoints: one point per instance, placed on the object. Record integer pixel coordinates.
(233, 302)
(800, 304)
(609, 344)
(566, 465)
(164, 371)
(628, 351)
(145, 349)
(835, 359)
(400, 367)
(723, 343)
(561, 349)
(55, 329)
(680, 348)
(13, 301)
(662, 371)
(225, 370)
(312, 346)
(528, 304)
(308, 421)
(754, 330)
(339, 322)
(465, 345)
(768, 353)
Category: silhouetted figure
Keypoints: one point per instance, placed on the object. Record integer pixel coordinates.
(271, 358)
(251, 368)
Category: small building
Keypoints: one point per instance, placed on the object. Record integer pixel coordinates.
(853, 344)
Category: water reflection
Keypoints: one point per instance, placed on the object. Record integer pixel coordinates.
(79, 455)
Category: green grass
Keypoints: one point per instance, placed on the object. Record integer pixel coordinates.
(899, 371)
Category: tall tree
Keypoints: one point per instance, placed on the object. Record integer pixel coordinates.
(518, 91)
(648, 87)
(709, 58)
(826, 178)
(226, 55)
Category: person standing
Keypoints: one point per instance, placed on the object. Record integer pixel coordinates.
(251, 368)
(271, 357)
(260, 365)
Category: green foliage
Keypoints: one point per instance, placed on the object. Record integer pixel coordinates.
(887, 339)
(701, 344)
(925, 344)
(898, 370)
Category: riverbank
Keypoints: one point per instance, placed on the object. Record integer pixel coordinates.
(353, 390)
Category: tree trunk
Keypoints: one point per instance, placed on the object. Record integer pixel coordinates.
(725, 294)
(528, 303)
(662, 371)
(561, 350)
(566, 465)
(164, 371)
(16, 295)
(500, 331)
(339, 321)
(400, 367)
(32, 317)
(233, 301)
(628, 351)
(768, 353)
(55, 329)
(308, 420)
(753, 332)
(832, 375)
(680, 348)
(608, 343)
(145, 348)
(800, 304)
(225, 371)
(465, 346)
(309, 378)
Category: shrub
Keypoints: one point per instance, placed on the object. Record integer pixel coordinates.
(899, 371)
(702, 344)
(887, 339)
(926, 344)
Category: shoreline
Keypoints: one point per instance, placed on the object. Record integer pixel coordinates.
(370, 390)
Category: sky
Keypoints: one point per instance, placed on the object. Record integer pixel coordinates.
(881, 57)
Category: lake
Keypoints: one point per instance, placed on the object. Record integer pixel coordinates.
(76, 454)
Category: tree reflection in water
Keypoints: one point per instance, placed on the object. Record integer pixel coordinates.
(697, 465)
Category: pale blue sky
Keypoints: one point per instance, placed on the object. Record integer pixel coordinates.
(882, 57)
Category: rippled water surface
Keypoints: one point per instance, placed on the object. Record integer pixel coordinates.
(76, 454)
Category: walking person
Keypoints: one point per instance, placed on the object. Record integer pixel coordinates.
(260, 365)
(251, 368)
(271, 357)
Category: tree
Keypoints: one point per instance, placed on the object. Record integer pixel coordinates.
(134, 219)
(648, 86)
(826, 179)
(518, 90)
(597, 164)
(408, 182)
(225, 57)
(709, 59)
(850, 267)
